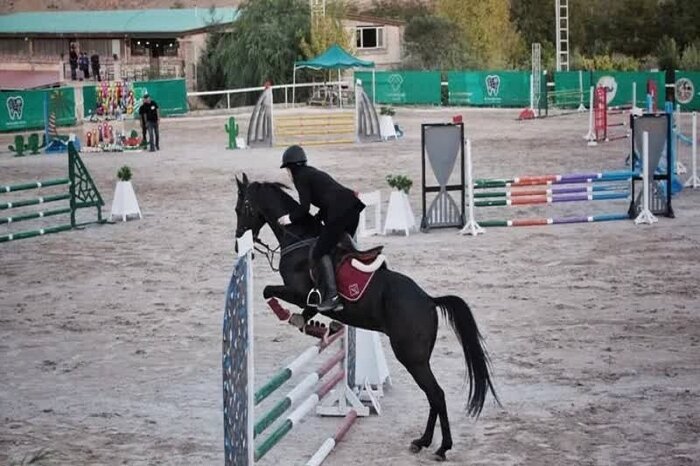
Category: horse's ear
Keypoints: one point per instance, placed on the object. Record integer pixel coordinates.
(245, 179)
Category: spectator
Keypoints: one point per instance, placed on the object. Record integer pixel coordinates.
(84, 65)
(117, 68)
(73, 60)
(95, 60)
(150, 115)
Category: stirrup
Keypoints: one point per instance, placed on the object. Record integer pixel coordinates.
(314, 292)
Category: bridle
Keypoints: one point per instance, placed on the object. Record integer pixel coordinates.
(268, 251)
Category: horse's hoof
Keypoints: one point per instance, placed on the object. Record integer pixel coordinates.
(438, 456)
(297, 320)
(414, 448)
(334, 327)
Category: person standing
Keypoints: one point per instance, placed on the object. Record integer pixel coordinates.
(150, 116)
(84, 65)
(73, 61)
(95, 60)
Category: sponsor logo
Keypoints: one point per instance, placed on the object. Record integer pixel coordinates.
(15, 107)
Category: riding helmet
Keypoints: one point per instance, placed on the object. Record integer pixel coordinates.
(294, 155)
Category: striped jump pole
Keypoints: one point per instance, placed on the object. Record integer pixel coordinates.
(296, 393)
(297, 415)
(286, 373)
(330, 443)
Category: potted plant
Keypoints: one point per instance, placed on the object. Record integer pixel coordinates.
(124, 203)
(386, 123)
(399, 215)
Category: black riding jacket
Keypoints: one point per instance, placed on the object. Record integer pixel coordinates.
(318, 188)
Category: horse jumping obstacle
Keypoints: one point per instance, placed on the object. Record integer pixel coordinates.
(693, 180)
(598, 121)
(655, 196)
(323, 127)
(82, 193)
(240, 398)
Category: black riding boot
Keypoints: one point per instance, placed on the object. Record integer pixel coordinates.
(331, 300)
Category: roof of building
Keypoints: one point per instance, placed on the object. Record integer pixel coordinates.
(114, 22)
(374, 20)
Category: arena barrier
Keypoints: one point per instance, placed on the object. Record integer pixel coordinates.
(81, 193)
(269, 127)
(241, 426)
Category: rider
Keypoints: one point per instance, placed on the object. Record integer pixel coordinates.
(339, 209)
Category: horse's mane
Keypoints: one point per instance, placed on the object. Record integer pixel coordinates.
(280, 189)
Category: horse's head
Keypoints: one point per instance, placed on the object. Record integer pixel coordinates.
(249, 216)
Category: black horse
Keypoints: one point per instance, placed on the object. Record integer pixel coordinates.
(393, 304)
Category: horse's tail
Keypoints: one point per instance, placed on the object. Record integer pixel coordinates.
(457, 312)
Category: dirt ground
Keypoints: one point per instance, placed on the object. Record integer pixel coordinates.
(110, 337)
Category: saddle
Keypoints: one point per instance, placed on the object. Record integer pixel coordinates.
(348, 248)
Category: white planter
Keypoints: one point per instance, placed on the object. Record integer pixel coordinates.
(386, 127)
(399, 215)
(125, 203)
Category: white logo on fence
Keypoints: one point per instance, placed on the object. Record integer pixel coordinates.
(15, 107)
(395, 81)
(685, 91)
(610, 85)
(493, 85)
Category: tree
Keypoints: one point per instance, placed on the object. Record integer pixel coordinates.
(691, 57)
(486, 30)
(264, 43)
(399, 9)
(210, 73)
(667, 54)
(328, 30)
(432, 42)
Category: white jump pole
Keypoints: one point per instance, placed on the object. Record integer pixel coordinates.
(581, 106)
(472, 227)
(590, 137)
(634, 96)
(694, 181)
(645, 216)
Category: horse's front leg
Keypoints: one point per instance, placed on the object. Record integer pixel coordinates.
(292, 296)
(286, 294)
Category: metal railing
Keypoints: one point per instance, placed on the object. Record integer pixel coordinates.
(285, 87)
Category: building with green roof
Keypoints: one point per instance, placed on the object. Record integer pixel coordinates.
(131, 44)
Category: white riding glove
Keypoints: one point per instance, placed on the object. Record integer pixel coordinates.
(284, 220)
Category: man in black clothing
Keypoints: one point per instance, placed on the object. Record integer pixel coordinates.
(73, 61)
(95, 61)
(339, 209)
(150, 116)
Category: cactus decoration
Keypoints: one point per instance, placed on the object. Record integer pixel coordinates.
(33, 143)
(19, 146)
(232, 130)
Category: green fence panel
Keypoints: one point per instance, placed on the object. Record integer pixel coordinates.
(402, 87)
(24, 110)
(170, 94)
(619, 84)
(571, 89)
(89, 100)
(489, 88)
(688, 90)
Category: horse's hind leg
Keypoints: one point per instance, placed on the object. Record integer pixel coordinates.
(425, 379)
